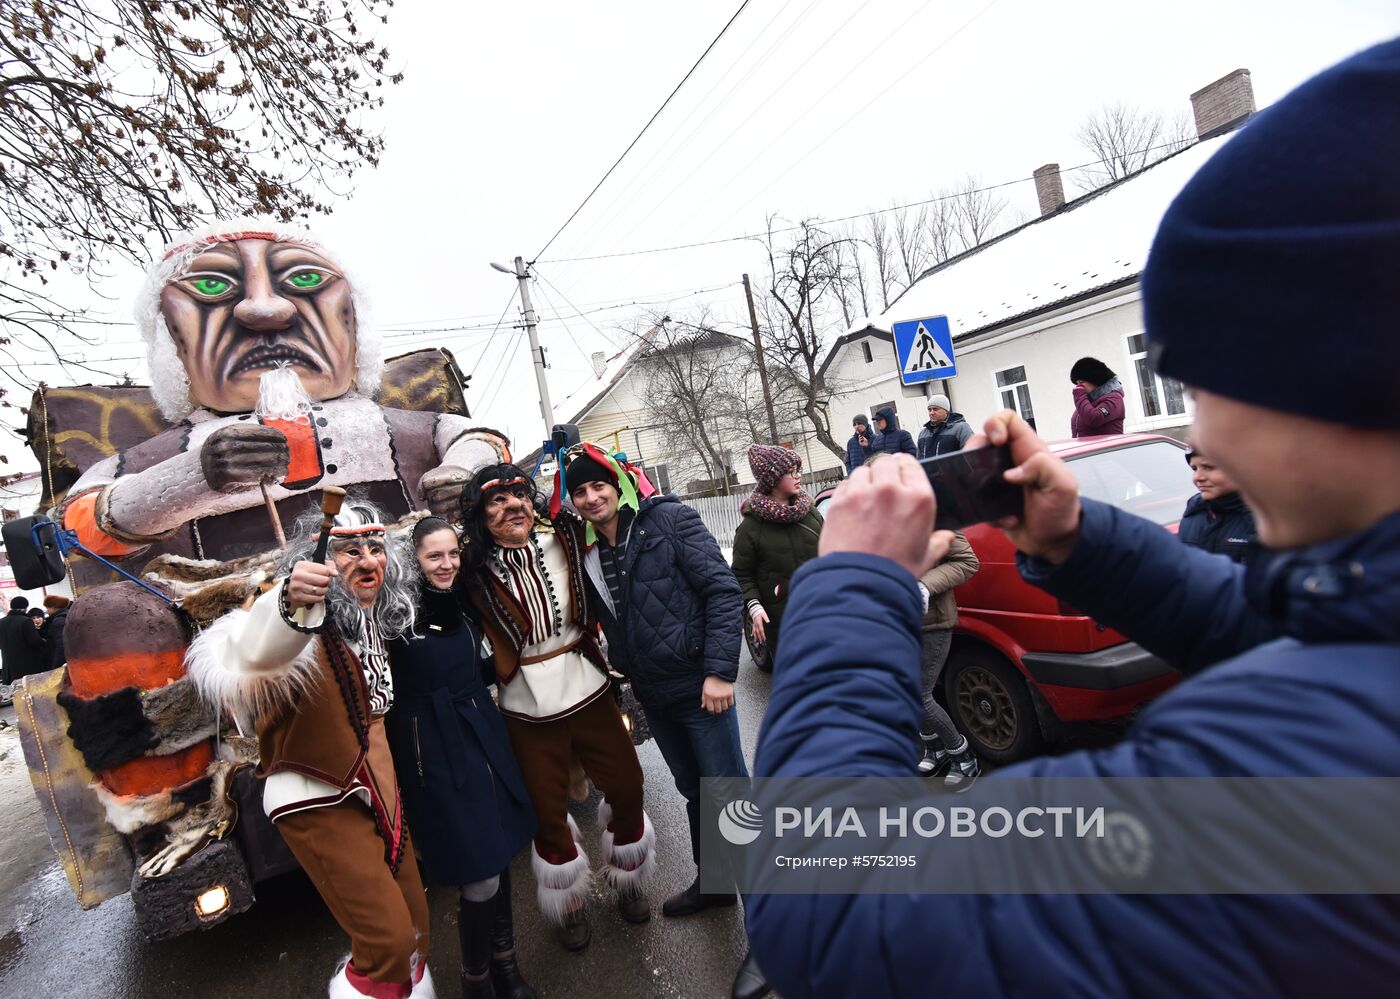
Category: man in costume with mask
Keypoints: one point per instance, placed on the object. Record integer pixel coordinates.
(262, 357)
(526, 578)
(306, 663)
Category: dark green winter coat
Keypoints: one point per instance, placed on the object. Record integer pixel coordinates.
(767, 554)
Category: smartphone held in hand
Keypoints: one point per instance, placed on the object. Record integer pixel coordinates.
(970, 487)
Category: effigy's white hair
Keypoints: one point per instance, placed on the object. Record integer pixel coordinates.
(170, 385)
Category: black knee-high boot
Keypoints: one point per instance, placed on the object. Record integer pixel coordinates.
(505, 972)
(475, 926)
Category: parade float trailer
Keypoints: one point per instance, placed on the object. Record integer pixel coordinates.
(143, 788)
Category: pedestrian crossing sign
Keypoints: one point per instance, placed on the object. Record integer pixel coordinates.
(924, 348)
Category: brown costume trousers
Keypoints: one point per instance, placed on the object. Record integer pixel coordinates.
(597, 736)
(385, 914)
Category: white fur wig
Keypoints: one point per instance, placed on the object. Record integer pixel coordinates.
(170, 385)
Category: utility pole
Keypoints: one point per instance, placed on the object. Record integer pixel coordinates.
(762, 368)
(536, 354)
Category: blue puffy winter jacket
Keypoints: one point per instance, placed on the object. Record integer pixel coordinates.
(681, 610)
(892, 440)
(1307, 686)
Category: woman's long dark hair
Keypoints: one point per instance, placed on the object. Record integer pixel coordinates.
(476, 539)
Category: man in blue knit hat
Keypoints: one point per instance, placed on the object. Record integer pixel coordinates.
(1271, 292)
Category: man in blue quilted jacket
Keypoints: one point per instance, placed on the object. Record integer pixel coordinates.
(1294, 659)
(672, 611)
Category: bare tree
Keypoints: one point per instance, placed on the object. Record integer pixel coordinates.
(124, 117)
(911, 239)
(1124, 139)
(802, 323)
(851, 287)
(696, 385)
(976, 212)
(881, 244)
(941, 229)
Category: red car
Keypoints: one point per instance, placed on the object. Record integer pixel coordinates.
(1022, 663)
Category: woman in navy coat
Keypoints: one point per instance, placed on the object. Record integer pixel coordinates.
(462, 791)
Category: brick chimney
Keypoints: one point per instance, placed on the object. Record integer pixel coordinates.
(1049, 188)
(1223, 104)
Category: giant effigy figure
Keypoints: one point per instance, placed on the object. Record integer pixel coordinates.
(265, 367)
(221, 312)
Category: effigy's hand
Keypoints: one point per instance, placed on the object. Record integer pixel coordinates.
(441, 490)
(241, 456)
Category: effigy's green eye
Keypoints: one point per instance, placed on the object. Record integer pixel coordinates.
(306, 280)
(211, 286)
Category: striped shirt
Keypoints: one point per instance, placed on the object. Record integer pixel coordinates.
(532, 590)
(612, 558)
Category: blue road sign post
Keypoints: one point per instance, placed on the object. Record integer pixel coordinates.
(924, 348)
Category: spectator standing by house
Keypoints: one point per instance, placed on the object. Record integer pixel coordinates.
(860, 447)
(670, 607)
(779, 531)
(52, 631)
(945, 431)
(892, 439)
(940, 737)
(1217, 518)
(21, 645)
(1098, 399)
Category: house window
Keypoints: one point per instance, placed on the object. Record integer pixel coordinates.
(660, 477)
(865, 349)
(1015, 392)
(1160, 396)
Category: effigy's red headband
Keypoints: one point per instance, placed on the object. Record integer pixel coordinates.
(500, 484)
(229, 237)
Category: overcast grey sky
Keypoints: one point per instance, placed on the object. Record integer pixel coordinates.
(509, 114)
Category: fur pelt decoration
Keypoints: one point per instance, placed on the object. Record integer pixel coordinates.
(178, 715)
(207, 589)
(188, 831)
(111, 729)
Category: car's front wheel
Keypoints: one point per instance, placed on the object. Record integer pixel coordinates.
(990, 704)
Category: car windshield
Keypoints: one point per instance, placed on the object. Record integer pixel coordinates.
(1151, 480)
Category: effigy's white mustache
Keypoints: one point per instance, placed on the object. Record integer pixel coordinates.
(281, 396)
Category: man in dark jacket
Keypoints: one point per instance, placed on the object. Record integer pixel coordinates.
(858, 448)
(1217, 519)
(945, 431)
(1098, 399)
(671, 610)
(55, 655)
(892, 440)
(21, 645)
(1301, 645)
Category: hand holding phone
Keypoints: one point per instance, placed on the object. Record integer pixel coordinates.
(970, 487)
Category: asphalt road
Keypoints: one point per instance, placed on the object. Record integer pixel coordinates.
(288, 945)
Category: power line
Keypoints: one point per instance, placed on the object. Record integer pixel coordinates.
(643, 132)
(844, 218)
(700, 164)
(607, 216)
